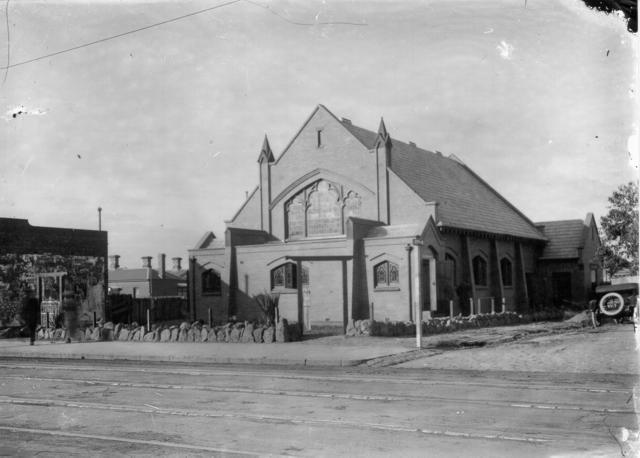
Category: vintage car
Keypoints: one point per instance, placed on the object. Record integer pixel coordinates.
(615, 302)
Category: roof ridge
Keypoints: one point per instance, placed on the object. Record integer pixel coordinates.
(501, 197)
(572, 220)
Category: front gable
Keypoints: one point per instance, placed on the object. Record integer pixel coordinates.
(323, 142)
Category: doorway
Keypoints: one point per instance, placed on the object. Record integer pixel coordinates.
(425, 285)
(561, 287)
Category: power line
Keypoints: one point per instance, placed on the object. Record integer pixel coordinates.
(178, 18)
(112, 37)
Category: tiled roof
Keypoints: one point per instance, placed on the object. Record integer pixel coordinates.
(465, 201)
(176, 274)
(400, 230)
(128, 274)
(366, 137)
(565, 238)
(142, 274)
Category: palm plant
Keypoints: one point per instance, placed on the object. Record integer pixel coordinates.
(268, 303)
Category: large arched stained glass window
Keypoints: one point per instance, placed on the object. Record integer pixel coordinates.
(296, 216)
(351, 205)
(320, 209)
(325, 210)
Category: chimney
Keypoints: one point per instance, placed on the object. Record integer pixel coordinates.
(146, 261)
(114, 262)
(161, 264)
(176, 264)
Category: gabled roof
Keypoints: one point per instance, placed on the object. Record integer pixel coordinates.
(364, 136)
(176, 274)
(205, 241)
(465, 201)
(566, 237)
(143, 274)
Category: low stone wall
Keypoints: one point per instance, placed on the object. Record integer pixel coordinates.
(442, 325)
(185, 332)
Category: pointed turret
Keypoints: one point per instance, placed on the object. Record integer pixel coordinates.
(382, 129)
(265, 160)
(383, 136)
(265, 152)
(383, 151)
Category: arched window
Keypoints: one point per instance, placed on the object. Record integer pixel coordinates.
(450, 262)
(296, 216)
(386, 275)
(506, 269)
(479, 271)
(351, 205)
(284, 276)
(211, 282)
(320, 209)
(324, 214)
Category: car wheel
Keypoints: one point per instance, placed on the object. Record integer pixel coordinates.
(611, 304)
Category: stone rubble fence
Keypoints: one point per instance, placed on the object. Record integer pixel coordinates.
(240, 332)
(447, 324)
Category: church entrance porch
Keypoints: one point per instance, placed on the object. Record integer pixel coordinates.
(323, 301)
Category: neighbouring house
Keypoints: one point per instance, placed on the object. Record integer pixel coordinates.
(349, 223)
(623, 276)
(147, 282)
(43, 257)
(568, 267)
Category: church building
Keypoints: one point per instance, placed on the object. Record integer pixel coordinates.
(349, 223)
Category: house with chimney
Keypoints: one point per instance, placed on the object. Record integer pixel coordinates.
(147, 281)
(350, 223)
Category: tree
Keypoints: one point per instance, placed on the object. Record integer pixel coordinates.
(619, 249)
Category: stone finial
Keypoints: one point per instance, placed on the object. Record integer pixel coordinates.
(265, 152)
(382, 129)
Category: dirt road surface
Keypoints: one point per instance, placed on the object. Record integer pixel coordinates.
(549, 396)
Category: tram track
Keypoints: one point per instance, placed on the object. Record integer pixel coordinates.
(350, 378)
(143, 405)
(513, 436)
(520, 404)
(131, 441)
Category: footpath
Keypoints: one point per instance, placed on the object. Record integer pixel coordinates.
(320, 351)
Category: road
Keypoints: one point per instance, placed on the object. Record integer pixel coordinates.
(90, 408)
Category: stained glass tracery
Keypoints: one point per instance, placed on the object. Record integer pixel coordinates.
(386, 274)
(320, 209)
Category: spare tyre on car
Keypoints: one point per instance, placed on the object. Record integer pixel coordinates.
(611, 304)
(615, 301)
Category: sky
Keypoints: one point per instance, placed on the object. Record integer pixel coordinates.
(162, 128)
